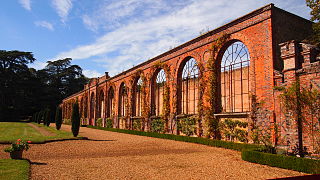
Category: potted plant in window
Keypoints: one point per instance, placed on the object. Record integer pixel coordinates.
(17, 148)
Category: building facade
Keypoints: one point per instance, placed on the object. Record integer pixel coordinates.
(227, 74)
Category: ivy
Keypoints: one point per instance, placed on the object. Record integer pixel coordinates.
(211, 86)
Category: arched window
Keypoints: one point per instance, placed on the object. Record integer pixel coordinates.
(235, 78)
(159, 83)
(110, 102)
(189, 84)
(123, 100)
(81, 107)
(92, 105)
(101, 104)
(85, 105)
(138, 98)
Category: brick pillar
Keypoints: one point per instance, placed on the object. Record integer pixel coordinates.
(289, 55)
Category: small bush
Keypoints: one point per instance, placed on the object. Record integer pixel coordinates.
(136, 124)
(75, 119)
(157, 125)
(109, 123)
(187, 125)
(99, 122)
(58, 118)
(287, 162)
(67, 121)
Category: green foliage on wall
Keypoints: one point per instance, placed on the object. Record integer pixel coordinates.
(234, 130)
(157, 125)
(188, 125)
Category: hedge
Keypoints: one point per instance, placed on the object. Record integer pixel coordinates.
(198, 140)
(310, 166)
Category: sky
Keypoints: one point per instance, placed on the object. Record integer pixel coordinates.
(115, 35)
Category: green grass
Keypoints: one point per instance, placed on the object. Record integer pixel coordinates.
(11, 131)
(14, 169)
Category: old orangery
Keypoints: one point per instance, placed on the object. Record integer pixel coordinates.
(226, 75)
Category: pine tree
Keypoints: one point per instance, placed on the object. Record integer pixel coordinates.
(75, 119)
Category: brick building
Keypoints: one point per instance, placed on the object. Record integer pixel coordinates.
(233, 68)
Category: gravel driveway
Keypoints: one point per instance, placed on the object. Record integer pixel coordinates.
(110, 155)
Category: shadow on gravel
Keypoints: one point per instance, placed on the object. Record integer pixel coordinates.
(98, 140)
(37, 163)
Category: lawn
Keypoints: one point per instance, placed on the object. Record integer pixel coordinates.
(11, 131)
(14, 169)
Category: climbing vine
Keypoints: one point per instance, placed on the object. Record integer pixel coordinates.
(211, 85)
(166, 93)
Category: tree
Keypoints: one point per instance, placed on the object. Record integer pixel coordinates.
(58, 118)
(59, 80)
(47, 117)
(315, 16)
(14, 78)
(75, 119)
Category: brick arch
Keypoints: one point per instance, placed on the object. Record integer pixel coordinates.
(101, 103)
(92, 108)
(234, 84)
(156, 98)
(122, 98)
(110, 101)
(178, 77)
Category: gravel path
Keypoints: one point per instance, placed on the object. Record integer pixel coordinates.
(109, 155)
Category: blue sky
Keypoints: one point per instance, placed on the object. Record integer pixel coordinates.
(114, 35)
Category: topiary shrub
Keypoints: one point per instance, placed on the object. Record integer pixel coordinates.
(58, 118)
(47, 117)
(109, 123)
(75, 119)
(99, 122)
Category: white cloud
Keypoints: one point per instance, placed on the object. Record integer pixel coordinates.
(139, 38)
(91, 73)
(38, 65)
(62, 7)
(44, 24)
(26, 4)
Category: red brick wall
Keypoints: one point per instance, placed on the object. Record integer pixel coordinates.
(261, 31)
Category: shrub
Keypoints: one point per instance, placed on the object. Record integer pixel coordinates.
(234, 130)
(99, 122)
(136, 124)
(58, 118)
(288, 162)
(75, 119)
(198, 140)
(47, 116)
(187, 126)
(109, 123)
(157, 125)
